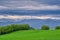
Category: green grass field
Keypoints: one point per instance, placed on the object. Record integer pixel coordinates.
(32, 35)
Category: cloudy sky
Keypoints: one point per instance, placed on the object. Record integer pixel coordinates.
(30, 4)
(33, 12)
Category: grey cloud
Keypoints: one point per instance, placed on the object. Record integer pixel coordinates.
(50, 2)
(30, 4)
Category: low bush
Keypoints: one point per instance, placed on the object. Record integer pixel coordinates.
(57, 27)
(13, 27)
(45, 27)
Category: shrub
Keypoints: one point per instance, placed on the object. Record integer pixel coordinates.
(0, 29)
(57, 27)
(13, 27)
(5, 29)
(45, 27)
(19, 27)
(24, 27)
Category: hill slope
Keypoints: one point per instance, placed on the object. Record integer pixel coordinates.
(32, 35)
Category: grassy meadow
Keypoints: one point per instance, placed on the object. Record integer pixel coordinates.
(32, 35)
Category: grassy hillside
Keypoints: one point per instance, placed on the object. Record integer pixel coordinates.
(32, 35)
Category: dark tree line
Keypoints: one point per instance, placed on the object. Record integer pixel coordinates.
(13, 27)
(16, 27)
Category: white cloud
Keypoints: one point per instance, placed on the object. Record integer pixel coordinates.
(15, 17)
(40, 7)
